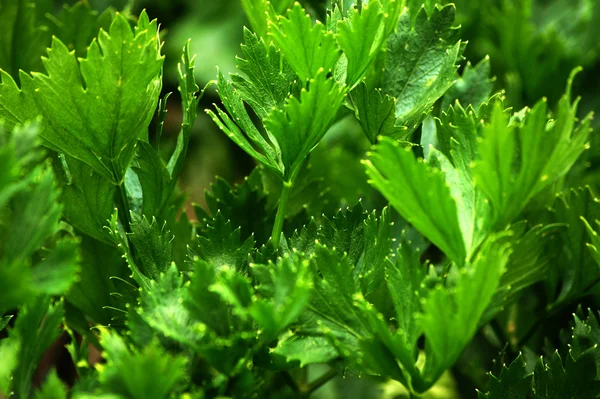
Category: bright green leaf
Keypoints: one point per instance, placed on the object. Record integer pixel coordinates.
(307, 46)
(111, 95)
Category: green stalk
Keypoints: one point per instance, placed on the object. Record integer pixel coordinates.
(130, 6)
(319, 382)
(283, 200)
(123, 207)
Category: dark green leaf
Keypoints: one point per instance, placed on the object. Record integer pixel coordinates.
(512, 383)
(88, 197)
(473, 88)
(420, 64)
(152, 243)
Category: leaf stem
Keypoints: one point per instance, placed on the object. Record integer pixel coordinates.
(283, 200)
(129, 7)
(319, 382)
(123, 207)
(290, 381)
(539, 323)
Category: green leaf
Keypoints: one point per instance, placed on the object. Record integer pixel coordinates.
(58, 271)
(458, 131)
(53, 388)
(585, 338)
(87, 196)
(147, 373)
(259, 12)
(205, 305)
(331, 313)
(519, 159)
(360, 36)
(595, 240)
(285, 290)
(78, 25)
(303, 122)
(417, 6)
(473, 210)
(404, 279)
(307, 47)
(17, 105)
(451, 315)
(266, 77)
(556, 378)
(223, 246)
(24, 35)
(459, 128)
(392, 352)
(190, 98)
(576, 269)
(119, 238)
(513, 382)
(345, 233)
(9, 352)
(306, 349)
(305, 240)
(378, 248)
(103, 283)
(376, 113)
(396, 173)
(154, 179)
(528, 263)
(245, 205)
(34, 218)
(37, 327)
(239, 127)
(420, 64)
(124, 66)
(235, 290)
(162, 308)
(214, 293)
(152, 243)
(292, 128)
(29, 218)
(553, 377)
(473, 88)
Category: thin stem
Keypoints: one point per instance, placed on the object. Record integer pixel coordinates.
(359, 4)
(319, 382)
(499, 331)
(550, 313)
(283, 200)
(539, 323)
(291, 381)
(129, 7)
(123, 207)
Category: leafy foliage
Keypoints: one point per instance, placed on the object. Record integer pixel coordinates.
(275, 286)
(554, 377)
